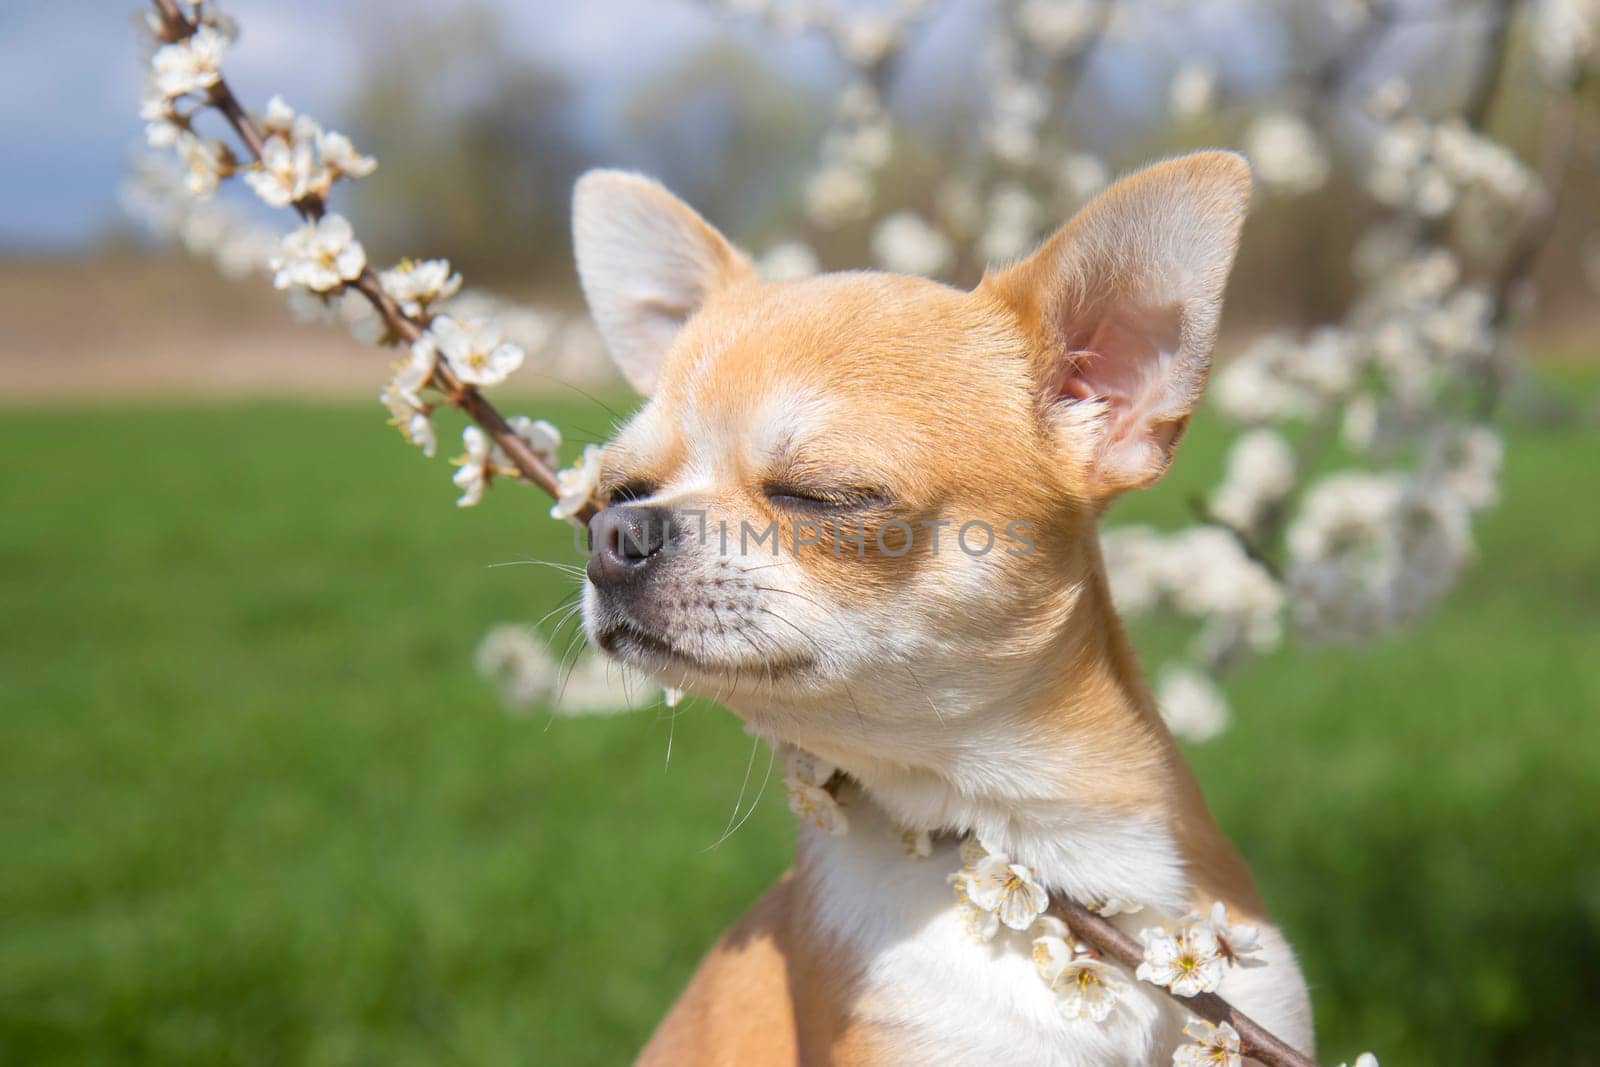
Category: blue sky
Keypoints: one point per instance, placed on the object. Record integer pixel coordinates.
(72, 70)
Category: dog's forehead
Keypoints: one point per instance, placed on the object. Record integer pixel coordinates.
(779, 363)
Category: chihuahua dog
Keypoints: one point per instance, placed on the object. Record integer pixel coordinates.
(795, 524)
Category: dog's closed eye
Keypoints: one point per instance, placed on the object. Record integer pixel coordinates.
(817, 499)
(629, 491)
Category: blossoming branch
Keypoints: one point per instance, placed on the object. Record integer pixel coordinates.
(291, 161)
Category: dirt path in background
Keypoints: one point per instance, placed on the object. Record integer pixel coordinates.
(131, 326)
(170, 326)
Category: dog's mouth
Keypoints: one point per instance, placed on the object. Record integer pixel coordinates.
(630, 642)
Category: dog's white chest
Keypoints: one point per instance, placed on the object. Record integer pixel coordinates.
(944, 995)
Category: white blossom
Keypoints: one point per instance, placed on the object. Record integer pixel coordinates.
(285, 174)
(1240, 942)
(818, 807)
(807, 779)
(981, 923)
(806, 767)
(417, 372)
(1085, 986)
(1286, 153)
(1113, 906)
(340, 156)
(907, 243)
(484, 459)
(1192, 706)
(189, 65)
(1083, 175)
(837, 195)
(516, 658)
(528, 675)
(1011, 224)
(1212, 1045)
(869, 145)
(476, 467)
(162, 126)
(321, 256)
(408, 414)
(868, 38)
(1057, 26)
(1009, 891)
(1279, 377)
(1370, 552)
(1566, 37)
(416, 284)
(278, 120)
(1466, 463)
(1193, 89)
(576, 485)
(207, 160)
(788, 261)
(1260, 473)
(475, 349)
(1185, 960)
(1203, 573)
(1016, 109)
(542, 438)
(1366, 1059)
(1430, 167)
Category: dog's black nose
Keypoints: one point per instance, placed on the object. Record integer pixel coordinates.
(624, 541)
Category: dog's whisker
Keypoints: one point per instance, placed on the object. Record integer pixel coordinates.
(575, 651)
(570, 609)
(566, 568)
(810, 641)
(772, 757)
(768, 566)
(749, 765)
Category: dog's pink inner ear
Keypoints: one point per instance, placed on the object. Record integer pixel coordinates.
(1124, 363)
(1118, 358)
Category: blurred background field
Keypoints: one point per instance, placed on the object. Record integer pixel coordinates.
(256, 807)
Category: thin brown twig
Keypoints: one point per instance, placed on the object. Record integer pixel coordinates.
(1257, 1042)
(468, 398)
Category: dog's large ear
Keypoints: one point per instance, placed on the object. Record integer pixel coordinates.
(647, 263)
(1121, 307)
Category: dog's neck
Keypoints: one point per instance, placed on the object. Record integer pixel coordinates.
(1064, 764)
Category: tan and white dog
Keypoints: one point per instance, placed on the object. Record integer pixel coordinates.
(991, 693)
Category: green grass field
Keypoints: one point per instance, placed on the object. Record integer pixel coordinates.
(255, 806)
